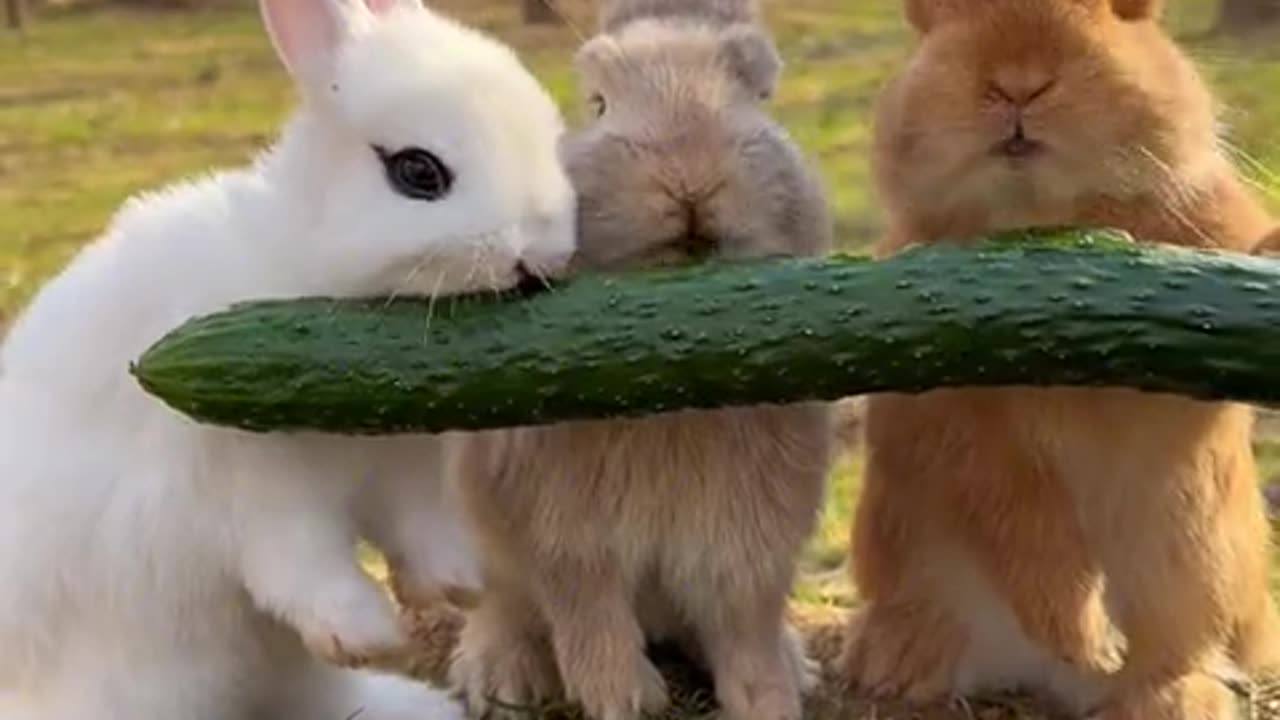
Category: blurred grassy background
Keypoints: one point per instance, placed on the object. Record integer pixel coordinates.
(97, 103)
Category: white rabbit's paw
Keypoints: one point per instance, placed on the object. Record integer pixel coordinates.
(442, 578)
(387, 697)
(805, 671)
(352, 624)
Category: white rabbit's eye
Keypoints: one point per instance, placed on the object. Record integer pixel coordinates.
(417, 173)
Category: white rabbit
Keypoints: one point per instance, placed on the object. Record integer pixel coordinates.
(156, 569)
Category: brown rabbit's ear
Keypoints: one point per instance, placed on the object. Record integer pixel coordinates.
(753, 58)
(1137, 9)
(925, 15)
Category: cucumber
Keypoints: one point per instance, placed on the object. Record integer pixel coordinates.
(1064, 308)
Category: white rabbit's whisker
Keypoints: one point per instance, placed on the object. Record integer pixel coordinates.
(431, 307)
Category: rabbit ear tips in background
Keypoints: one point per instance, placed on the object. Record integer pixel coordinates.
(753, 58)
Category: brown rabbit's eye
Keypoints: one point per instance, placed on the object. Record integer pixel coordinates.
(417, 173)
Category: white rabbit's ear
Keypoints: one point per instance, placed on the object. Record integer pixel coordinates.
(307, 33)
(378, 7)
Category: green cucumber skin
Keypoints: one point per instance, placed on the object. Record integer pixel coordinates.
(1083, 309)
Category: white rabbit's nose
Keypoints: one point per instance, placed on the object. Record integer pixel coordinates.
(549, 243)
(529, 282)
(544, 263)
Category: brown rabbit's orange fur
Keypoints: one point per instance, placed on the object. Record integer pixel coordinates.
(1105, 547)
(1270, 245)
(598, 536)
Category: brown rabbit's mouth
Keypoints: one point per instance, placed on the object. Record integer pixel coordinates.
(1018, 146)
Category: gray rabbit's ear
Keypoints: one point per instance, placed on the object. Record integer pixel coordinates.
(753, 58)
(597, 57)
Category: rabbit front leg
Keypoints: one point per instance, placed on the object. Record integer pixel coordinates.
(1255, 644)
(504, 662)
(1171, 601)
(948, 551)
(412, 515)
(1186, 569)
(319, 692)
(297, 555)
(1195, 696)
(598, 642)
(758, 661)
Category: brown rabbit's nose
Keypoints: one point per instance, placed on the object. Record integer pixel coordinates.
(1020, 87)
(1016, 88)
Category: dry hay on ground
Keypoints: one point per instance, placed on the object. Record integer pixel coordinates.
(435, 633)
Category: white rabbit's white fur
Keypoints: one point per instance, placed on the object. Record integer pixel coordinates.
(156, 569)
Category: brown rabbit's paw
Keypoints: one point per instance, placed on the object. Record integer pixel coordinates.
(885, 658)
(620, 696)
(1193, 697)
(1256, 649)
(502, 677)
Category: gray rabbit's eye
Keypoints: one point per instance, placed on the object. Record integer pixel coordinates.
(416, 173)
(598, 105)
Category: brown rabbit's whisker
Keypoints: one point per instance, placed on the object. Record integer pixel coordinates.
(1257, 174)
(1216, 56)
(1175, 188)
(1171, 204)
(1262, 188)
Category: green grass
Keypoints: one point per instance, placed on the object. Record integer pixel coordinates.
(98, 104)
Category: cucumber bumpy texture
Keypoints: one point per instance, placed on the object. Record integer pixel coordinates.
(1064, 308)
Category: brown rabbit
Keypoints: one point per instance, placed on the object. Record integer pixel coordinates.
(598, 536)
(1041, 537)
